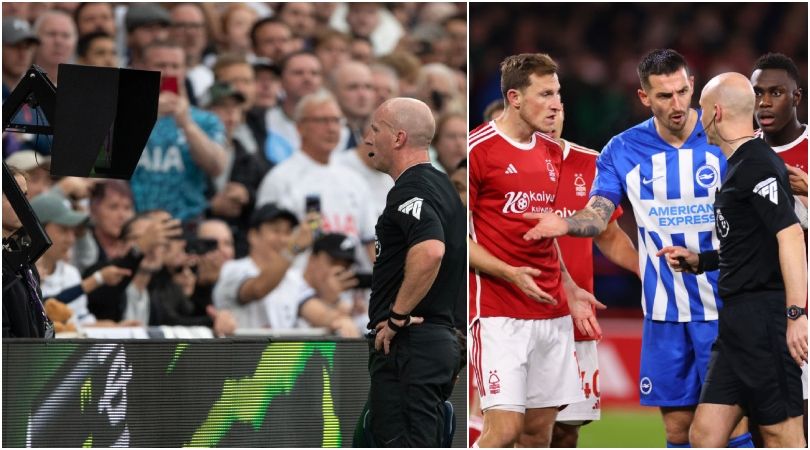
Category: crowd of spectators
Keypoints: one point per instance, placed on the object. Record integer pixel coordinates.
(254, 203)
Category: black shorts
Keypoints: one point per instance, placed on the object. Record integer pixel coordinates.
(751, 365)
(410, 384)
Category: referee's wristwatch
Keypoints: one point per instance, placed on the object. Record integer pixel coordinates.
(794, 312)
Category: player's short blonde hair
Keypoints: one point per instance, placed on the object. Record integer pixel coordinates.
(516, 70)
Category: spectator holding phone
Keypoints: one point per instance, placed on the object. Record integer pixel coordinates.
(185, 147)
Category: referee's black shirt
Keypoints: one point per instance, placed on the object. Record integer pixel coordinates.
(422, 205)
(753, 204)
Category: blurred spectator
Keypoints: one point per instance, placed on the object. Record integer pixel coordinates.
(301, 74)
(144, 238)
(94, 17)
(437, 87)
(332, 48)
(23, 310)
(188, 30)
(385, 82)
(97, 49)
(184, 149)
(353, 87)
(271, 39)
(359, 161)
(18, 10)
(110, 208)
(19, 45)
(450, 141)
(235, 188)
(310, 172)
(234, 69)
(268, 85)
(456, 28)
(493, 110)
(300, 16)
(61, 280)
(407, 67)
(360, 49)
(210, 264)
(37, 170)
(371, 21)
(260, 298)
(57, 36)
(237, 21)
(146, 23)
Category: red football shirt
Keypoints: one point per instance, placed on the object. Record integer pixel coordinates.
(508, 179)
(576, 178)
(794, 153)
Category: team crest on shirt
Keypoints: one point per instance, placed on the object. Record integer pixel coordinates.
(551, 172)
(645, 386)
(377, 247)
(579, 185)
(494, 382)
(722, 224)
(706, 176)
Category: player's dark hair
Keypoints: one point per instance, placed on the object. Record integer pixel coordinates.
(780, 62)
(660, 62)
(262, 22)
(85, 41)
(516, 70)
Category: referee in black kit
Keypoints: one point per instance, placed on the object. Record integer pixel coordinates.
(762, 338)
(419, 277)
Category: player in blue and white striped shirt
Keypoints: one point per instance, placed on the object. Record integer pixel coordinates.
(670, 174)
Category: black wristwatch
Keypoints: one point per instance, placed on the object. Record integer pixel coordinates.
(793, 312)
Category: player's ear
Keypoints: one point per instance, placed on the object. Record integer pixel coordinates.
(797, 97)
(513, 98)
(642, 95)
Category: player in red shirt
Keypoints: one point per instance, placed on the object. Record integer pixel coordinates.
(576, 178)
(776, 86)
(523, 342)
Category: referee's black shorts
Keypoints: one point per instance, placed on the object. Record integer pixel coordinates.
(410, 384)
(750, 364)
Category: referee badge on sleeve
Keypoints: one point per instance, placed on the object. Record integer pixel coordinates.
(412, 207)
(768, 189)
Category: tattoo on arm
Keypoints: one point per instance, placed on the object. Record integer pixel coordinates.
(591, 220)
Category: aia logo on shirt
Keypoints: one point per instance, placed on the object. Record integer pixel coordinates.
(518, 202)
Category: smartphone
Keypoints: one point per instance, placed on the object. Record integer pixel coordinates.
(312, 203)
(169, 83)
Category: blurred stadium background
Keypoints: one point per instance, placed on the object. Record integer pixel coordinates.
(598, 47)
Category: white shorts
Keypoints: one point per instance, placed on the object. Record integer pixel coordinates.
(524, 364)
(591, 408)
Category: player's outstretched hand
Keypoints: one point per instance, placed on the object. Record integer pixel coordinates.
(385, 333)
(798, 180)
(523, 278)
(549, 225)
(797, 339)
(674, 255)
(581, 303)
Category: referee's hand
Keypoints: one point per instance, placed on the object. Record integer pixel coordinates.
(797, 339)
(385, 334)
